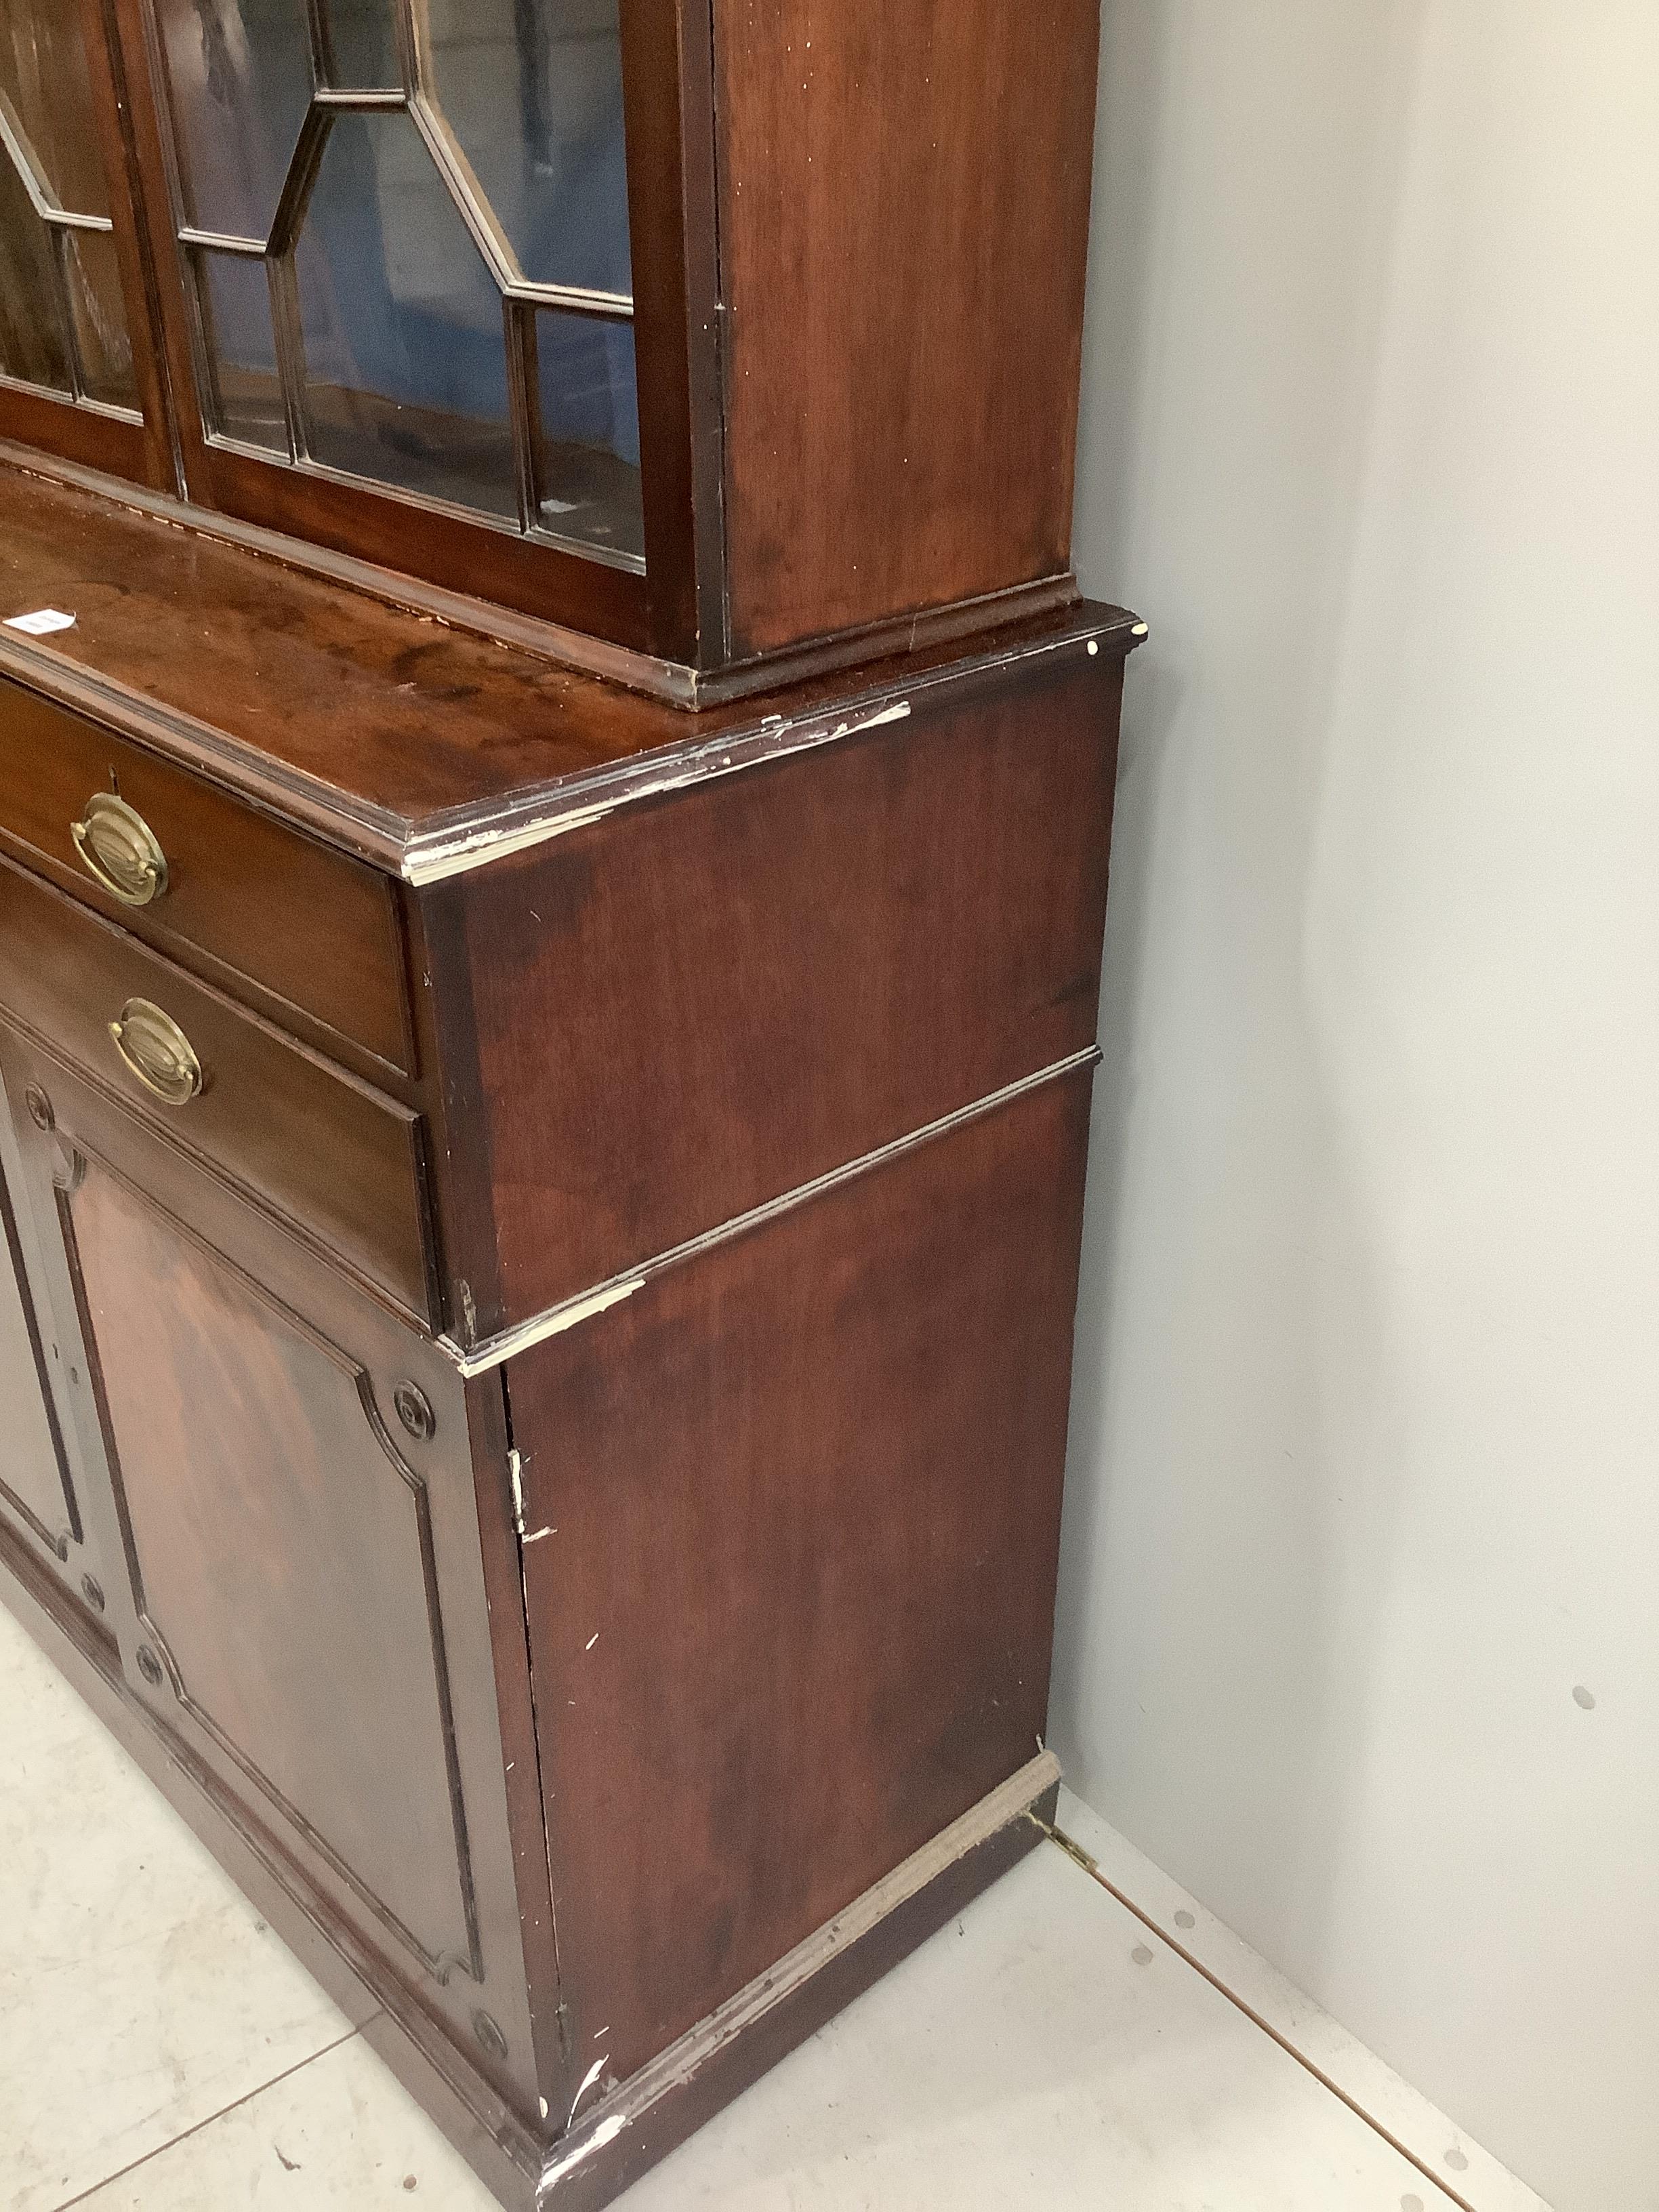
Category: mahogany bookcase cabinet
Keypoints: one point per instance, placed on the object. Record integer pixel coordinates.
(555, 796)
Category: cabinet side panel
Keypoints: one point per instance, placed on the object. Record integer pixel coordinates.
(904, 214)
(703, 1002)
(793, 1530)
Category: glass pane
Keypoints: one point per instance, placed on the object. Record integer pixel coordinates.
(589, 477)
(245, 395)
(100, 321)
(405, 358)
(33, 343)
(533, 90)
(239, 76)
(43, 75)
(363, 45)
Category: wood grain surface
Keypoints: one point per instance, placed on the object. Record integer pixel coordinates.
(341, 1160)
(904, 211)
(792, 1609)
(703, 1002)
(247, 899)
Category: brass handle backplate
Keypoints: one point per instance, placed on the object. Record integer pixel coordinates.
(118, 849)
(157, 1051)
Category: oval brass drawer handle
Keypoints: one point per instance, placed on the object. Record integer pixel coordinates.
(118, 849)
(157, 1052)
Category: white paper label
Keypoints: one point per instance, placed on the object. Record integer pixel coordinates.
(42, 623)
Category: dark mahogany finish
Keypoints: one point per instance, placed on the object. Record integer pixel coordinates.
(901, 366)
(252, 1442)
(808, 1016)
(310, 1142)
(382, 734)
(802, 1505)
(294, 1578)
(542, 1422)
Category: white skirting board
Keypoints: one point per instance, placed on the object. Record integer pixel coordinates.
(1469, 2176)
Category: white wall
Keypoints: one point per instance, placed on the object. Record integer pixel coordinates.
(1365, 1455)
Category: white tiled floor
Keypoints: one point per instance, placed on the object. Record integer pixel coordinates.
(160, 2051)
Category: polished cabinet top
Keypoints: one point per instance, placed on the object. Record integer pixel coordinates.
(420, 746)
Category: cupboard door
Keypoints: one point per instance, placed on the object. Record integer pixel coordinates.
(286, 1476)
(280, 1545)
(36, 1488)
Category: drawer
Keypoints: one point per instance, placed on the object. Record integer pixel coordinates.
(315, 929)
(334, 1156)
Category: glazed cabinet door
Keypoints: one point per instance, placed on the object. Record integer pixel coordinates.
(79, 372)
(285, 1476)
(394, 246)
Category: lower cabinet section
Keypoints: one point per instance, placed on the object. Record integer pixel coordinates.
(614, 1715)
(279, 1539)
(285, 1515)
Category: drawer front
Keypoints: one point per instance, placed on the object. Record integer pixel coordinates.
(334, 1156)
(315, 929)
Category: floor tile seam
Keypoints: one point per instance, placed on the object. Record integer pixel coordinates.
(212, 2119)
(1088, 1865)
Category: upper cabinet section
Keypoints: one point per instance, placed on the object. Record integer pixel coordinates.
(63, 321)
(392, 239)
(737, 335)
(71, 290)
